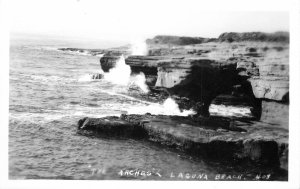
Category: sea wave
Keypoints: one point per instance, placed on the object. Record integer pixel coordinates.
(114, 93)
(47, 78)
(79, 52)
(169, 107)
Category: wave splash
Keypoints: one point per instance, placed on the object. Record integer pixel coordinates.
(169, 107)
(86, 77)
(121, 75)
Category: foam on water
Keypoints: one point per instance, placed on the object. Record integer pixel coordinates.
(169, 107)
(140, 81)
(77, 52)
(120, 74)
(86, 77)
(228, 111)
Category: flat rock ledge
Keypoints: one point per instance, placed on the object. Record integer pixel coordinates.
(216, 138)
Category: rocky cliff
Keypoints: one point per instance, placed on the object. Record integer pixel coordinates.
(254, 66)
(236, 68)
(272, 85)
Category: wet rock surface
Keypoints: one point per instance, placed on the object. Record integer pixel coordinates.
(97, 76)
(214, 138)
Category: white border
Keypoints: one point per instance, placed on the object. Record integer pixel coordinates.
(293, 6)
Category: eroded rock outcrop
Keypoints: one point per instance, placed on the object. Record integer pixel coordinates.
(214, 138)
(272, 85)
(248, 68)
(109, 60)
(198, 79)
(253, 66)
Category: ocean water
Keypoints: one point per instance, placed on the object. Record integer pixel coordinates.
(50, 90)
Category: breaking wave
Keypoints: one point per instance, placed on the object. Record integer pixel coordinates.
(121, 75)
(169, 107)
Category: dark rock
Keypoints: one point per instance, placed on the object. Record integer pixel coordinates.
(246, 67)
(97, 76)
(146, 64)
(108, 61)
(200, 80)
(111, 126)
(214, 138)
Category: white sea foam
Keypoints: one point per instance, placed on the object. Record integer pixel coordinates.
(86, 77)
(140, 81)
(120, 74)
(169, 107)
(223, 110)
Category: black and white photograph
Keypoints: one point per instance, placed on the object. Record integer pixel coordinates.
(151, 91)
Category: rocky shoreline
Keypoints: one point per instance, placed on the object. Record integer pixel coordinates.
(235, 69)
(213, 138)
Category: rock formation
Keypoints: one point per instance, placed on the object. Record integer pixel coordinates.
(214, 138)
(236, 68)
(253, 65)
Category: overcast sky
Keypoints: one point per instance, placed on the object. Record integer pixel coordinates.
(127, 19)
